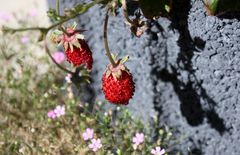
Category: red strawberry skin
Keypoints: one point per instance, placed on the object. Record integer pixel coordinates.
(118, 91)
(80, 56)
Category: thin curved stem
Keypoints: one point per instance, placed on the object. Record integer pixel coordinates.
(58, 7)
(49, 54)
(108, 53)
(126, 13)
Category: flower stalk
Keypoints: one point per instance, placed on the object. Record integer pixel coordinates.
(108, 53)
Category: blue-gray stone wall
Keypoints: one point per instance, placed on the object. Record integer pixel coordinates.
(187, 72)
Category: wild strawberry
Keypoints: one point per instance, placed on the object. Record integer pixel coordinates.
(117, 84)
(76, 49)
(80, 56)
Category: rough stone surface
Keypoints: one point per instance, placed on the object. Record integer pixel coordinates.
(186, 69)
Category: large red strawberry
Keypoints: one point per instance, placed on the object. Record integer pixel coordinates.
(117, 84)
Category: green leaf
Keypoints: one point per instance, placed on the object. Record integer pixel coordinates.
(212, 5)
(215, 7)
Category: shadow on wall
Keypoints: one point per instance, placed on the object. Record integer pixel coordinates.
(191, 94)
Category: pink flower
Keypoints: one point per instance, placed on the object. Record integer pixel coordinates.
(59, 111)
(95, 145)
(51, 114)
(68, 78)
(5, 16)
(24, 39)
(59, 57)
(88, 134)
(32, 13)
(138, 139)
(158, 151)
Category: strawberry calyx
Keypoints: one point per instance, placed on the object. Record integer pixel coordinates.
(68, 37)
(117, 70)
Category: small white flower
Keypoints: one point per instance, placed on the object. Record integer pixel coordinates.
(158, 151)
(59, 111)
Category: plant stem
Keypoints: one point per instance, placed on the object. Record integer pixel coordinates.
(58, 7)
(12, 30)
(108, 53)
(49, 54)
(126, 13)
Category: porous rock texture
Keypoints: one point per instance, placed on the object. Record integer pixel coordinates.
(186, 70)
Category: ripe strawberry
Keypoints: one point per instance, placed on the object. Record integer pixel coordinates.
(76, 49)
(117, 84)
(80, 56)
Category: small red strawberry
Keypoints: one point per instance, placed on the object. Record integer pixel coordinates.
(80, 56)
(76, 49)
(117, 84)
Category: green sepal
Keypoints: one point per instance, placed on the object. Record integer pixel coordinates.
(80, 36)
(76, 44)
(74, 25)
(124, 59)
(71, 46)
(57, 32)
(65, 45)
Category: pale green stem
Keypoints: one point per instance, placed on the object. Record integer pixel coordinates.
(49, 54)
(58, 7)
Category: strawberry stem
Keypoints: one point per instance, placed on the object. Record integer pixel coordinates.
(58, 7)
(49, 54)
(126, 13)
(108, 53)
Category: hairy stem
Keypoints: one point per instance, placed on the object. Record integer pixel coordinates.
(108, 53)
